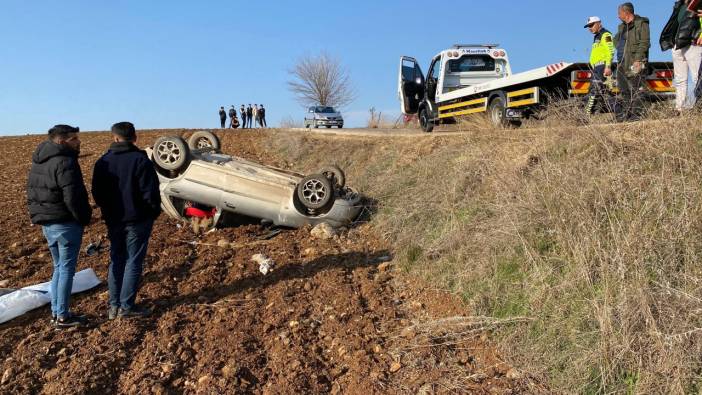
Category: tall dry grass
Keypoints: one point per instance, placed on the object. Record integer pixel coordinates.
(590, 235)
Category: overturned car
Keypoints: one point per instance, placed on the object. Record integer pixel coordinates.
(197, 181)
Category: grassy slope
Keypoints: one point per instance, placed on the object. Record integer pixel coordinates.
(592, 234)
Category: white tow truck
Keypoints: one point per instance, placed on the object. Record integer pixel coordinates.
(477, 78)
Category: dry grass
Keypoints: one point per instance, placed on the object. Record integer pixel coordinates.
(591, 235)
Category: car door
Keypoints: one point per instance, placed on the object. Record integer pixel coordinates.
(433, 79)
(410, 85)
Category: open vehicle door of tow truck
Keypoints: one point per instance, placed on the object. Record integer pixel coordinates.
(410, 85)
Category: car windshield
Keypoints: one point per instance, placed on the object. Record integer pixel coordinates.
(323, 109)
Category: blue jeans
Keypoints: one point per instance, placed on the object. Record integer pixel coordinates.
(128, 244)
(64, 244)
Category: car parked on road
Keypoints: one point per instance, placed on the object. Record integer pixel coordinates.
(323, 116)
(197, 178)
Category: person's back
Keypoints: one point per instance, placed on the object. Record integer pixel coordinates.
(125, 185)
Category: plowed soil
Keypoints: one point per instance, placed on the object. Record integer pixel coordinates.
(332, 317)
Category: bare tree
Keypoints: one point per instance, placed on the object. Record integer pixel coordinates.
(321, 80)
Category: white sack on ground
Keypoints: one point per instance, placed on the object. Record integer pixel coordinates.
(29, 298)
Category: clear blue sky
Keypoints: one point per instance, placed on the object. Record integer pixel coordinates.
(169, 64)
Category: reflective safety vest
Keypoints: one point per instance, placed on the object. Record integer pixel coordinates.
(602, 49)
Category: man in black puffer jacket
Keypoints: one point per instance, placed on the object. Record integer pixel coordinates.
(682, 35)
(58, 201)
(126, 187)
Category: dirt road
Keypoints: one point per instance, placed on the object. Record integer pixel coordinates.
(332, 317)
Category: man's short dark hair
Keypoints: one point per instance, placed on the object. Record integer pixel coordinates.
(124, 130)
(62, 131)
(628, 7)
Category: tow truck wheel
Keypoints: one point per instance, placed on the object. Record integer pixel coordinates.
(424, 121)
(171, 153)
(315, 192)
(497, 112)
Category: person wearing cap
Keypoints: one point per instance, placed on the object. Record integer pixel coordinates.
(633, 42)
(126, 188)
(58, 201)
(601, 58)
(683, 34)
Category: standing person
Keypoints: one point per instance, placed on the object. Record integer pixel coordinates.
(242, 111)
(255, 115)
(126, 188)
(58, 201)
(232, 116)
(633, 41)
(600, 61)
(249, 114)
(262, 114)
(682, 34)
(222, 117)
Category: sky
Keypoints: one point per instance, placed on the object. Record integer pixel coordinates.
(172, 64)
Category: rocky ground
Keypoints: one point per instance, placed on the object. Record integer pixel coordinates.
(332, 317)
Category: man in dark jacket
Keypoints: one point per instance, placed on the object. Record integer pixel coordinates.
(242, 111)
(126, 188)
(633, 41)
(232, 117)
(222, 117)
(682, 35)
(249, 115)
(262, 115)
(58, 201)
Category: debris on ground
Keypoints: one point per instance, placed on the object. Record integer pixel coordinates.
(323, 231)
(265, 264)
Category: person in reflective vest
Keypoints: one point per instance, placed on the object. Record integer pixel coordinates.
(601, 58)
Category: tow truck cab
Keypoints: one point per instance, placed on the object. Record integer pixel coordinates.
(462, 66)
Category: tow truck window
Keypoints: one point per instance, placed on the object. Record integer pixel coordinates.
(408, 71)
(470, 63)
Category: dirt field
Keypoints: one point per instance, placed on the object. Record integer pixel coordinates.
(333, 317)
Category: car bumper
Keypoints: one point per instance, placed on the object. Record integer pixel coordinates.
(326, 122)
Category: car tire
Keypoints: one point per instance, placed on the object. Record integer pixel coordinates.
(204, 140)
(335, 175)
(424, 121)
(315, 192)
(341, 126)
(328, 126)
(171, 153)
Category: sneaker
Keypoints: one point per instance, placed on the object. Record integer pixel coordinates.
(135, 311)
(72, 320)
(112, 313)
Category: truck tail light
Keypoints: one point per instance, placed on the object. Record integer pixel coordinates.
(664, 74)
(583, 75)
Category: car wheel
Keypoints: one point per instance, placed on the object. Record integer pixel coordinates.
(171, 153)
(315, 192)
(335, 175)
(424, 121)
(341, 126)
(203, 140)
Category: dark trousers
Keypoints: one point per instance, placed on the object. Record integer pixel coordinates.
(250, 118)
(630, 105)
(243, 121)
(596, 97)
(223, 121)
(128, 244)
(263, 122)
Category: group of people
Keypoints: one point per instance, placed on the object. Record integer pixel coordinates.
(251, 117)
(631, 44)
(125, 187)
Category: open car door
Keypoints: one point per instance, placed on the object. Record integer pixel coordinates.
(410, 85)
